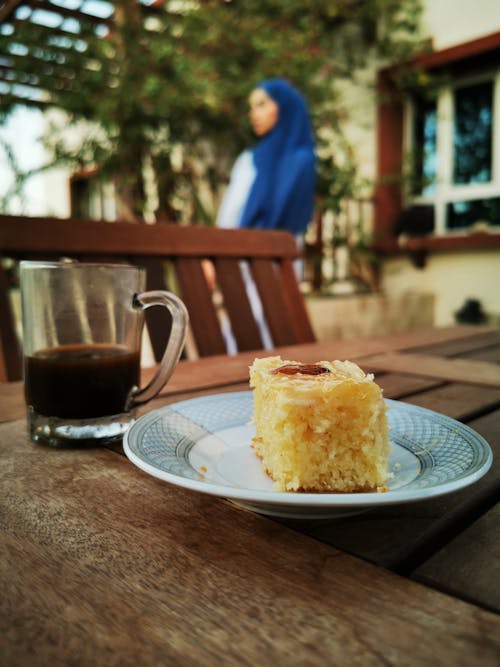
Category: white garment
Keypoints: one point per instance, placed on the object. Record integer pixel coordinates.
(242, 178)
(229, 216)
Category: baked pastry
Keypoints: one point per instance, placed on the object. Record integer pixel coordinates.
(319, 427)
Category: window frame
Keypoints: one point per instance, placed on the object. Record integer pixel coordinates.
(446, 191)
(388, 194)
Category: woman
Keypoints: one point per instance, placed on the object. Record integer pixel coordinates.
(272, 184)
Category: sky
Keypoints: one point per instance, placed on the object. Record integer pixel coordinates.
(21, 132)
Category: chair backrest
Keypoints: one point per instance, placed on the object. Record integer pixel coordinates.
(185, 249)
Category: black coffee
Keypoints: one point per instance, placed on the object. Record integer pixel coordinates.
(80, 381)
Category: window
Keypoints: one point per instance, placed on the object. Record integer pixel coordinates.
(455, 143)
(472, 133)
(424, 141)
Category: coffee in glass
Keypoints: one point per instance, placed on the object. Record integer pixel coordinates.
(82, 326)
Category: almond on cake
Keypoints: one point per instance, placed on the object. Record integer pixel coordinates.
(319, 427)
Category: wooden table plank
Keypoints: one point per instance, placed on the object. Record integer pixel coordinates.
(12, 404)
(490, 353)
(454, 370)
(399, 386)
(400, 538)
(478, 340)
(160, 575)
(469, 566)
(459, 401)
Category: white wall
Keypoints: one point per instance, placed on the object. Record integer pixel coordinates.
(452, 277)
(451, 22)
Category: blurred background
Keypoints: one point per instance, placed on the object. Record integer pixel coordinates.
(135, 110)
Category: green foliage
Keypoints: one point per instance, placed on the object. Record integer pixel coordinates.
(181, 78)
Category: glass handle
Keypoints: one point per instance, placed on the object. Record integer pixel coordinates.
(178, 331)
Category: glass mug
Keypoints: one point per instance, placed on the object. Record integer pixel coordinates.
(82, 326)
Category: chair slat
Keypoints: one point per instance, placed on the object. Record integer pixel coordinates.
(10, 353)
(268, 281)
(295, 303)
(237, 305)
(198, 299)
(73, 237)
(158, 320)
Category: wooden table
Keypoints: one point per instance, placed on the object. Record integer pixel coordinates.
(104, 565)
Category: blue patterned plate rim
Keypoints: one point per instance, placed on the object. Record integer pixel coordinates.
(439, 454)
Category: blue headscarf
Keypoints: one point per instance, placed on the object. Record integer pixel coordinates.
(282, 194)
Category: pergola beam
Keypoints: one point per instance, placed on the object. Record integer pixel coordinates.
(34, 53)
(8, 8)
(66, 12)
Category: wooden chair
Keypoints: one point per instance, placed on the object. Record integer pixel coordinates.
(269, 255)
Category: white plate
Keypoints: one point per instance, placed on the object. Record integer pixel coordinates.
(203, 444)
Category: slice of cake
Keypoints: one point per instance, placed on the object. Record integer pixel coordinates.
(319, 427)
